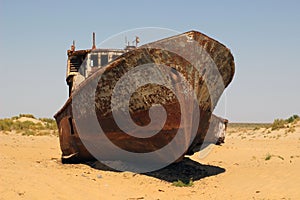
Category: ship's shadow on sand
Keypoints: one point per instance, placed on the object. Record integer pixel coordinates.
(185, 170)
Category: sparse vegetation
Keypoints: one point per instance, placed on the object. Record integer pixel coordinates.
(269, 156)
(180, 183)
(28, 132)
(265, 127)
(284, 123)
(244, 127)
(27, 115)
(291, 130)
(5, 124)
(9, 125)
(292, 119)
(49, 123)
(45, 126)
(278, 124)
(249, 125)
(256, 128)
(280, 157)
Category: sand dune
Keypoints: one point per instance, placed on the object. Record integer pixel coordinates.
(252, 164)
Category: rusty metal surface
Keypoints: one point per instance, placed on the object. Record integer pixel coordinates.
(143, 99)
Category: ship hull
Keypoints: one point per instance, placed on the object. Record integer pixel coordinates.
(99, 89)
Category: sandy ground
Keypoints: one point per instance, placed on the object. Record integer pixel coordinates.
(30, 168)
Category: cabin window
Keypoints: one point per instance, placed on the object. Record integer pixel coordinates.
(104, 60)
(94, 61)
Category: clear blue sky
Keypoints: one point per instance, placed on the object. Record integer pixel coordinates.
(264, 37)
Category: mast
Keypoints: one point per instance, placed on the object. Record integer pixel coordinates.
(94, 45)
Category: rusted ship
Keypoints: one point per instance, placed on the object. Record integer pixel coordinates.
(93, 74)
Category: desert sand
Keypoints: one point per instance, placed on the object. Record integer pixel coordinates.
(252, 164)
